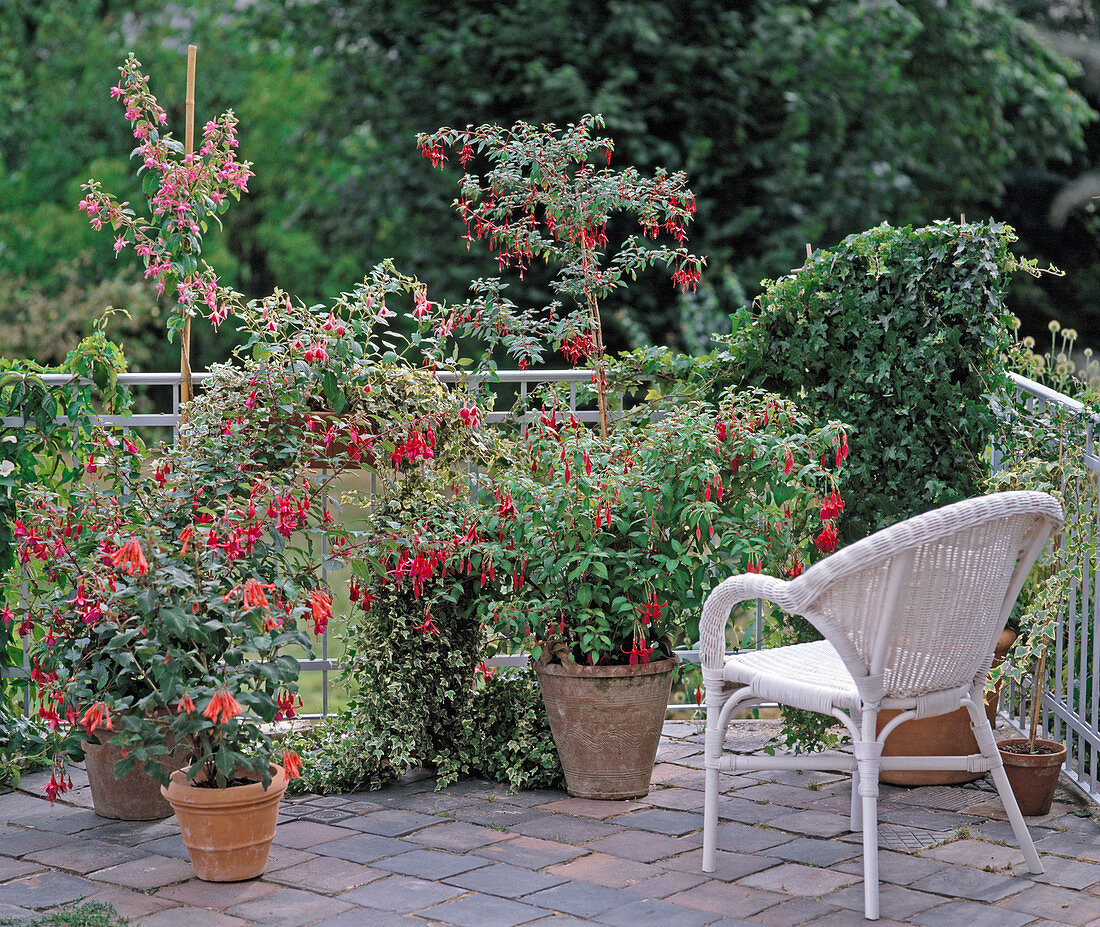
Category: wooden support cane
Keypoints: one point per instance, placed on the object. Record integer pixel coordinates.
(186, 388)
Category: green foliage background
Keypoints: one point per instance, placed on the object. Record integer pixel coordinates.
(796, 122)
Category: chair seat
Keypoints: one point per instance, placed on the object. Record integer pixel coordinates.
(809, 676)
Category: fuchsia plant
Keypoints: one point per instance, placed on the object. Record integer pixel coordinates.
(184, 193)
(162, 600)
(598, 547)
(545, 198)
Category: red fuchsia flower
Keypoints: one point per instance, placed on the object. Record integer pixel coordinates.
(651, 610)
(222, 707)
(131, 557)
(577, 347)
(427, 626)
(287, 703)
(506, 508)
(185, 705)
(485, 671)
(320, 606)
(292, 764)
(185, 538)
(788, 462)
(795, 569)
(639, 651)
(831, 507)
(470, 415)
(827, 540)
(58, 783)
(97, 716)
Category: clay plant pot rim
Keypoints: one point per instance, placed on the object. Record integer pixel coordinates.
(186, 792)
(635, 669)
(1055, 758)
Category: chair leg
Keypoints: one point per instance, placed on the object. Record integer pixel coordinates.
(868, 755)
(715, 738)
(987, 743)
(857, 803)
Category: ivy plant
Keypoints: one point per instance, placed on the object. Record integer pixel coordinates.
(900, 333)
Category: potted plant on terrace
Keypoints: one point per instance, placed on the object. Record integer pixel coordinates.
(162, 602)
(1037, 454)
(353, 397)
(595, 546)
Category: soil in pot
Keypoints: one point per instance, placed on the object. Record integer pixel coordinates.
(227, 832)
(134, 797)
(943, 735)
(606, 722)
(1033, 776)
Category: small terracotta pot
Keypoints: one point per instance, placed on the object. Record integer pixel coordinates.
(1033, 776)
(606, 722)
(227, 832)
(134, 797)
(943, 735)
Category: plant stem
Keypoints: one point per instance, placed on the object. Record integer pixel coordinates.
(601, 366)
(1037, 696)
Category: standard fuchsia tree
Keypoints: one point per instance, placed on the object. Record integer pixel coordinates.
(546, 197)
(184, 191)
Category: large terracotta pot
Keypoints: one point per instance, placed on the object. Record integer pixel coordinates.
(606, 722)
(134, 797)
(1033, 776)
(943, 735)
(227, 832)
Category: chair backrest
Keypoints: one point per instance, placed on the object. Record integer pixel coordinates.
(915, 608)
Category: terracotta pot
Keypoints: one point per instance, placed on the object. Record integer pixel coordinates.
(227, 832)
(943, 735)
(1033, 776)
(134, 797)
(606, 722)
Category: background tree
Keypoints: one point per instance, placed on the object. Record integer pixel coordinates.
(795, 122)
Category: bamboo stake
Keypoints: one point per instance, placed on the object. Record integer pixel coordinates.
(186, 387)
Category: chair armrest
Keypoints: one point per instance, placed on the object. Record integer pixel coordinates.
(719, 604)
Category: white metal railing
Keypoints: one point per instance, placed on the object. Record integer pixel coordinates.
(1070, 709)
(521, 380)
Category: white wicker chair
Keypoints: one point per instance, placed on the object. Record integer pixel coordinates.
(909, 616)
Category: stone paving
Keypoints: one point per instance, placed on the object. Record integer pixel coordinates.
(472, 855)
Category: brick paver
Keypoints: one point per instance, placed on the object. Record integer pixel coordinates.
(46, 890)
(146, 872)
(288, 907)
(504, 880)
(485, 911)
(215, 895)
(796, 879)
(580, 899)
(472, 855)
(326, 875)
(401, 894)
